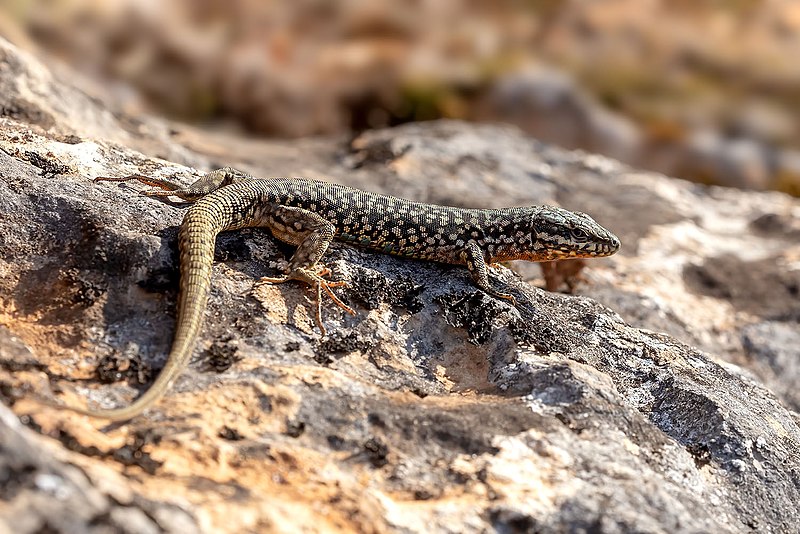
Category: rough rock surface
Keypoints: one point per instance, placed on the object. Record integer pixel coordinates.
(436, 408)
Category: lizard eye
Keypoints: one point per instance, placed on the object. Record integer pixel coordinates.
(579, 235)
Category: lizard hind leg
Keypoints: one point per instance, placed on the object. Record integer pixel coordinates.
(312, 234)
(206, 184)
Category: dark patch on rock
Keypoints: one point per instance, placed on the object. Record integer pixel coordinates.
(377, 452)
(322, 359)
(376, 420)
(372, 288)
(295, 428)
(475, 311)
(423, 494)
(337, 443)
(16, 479)
(265, 403)
(676, 411)
(15, 357)
(391, 378)
(232, 246)
(221, 355)
(453, 435)
(545, 334)
(760, 287)
(421, 393)
(114, 368)
(71, 292)
(513, 522)
(82, 257)
(776, 225)
(700, 454)
(161, 279)
(7, 395)
(85, 292)
(556, 385)
(48, 168)
(246, 319)
(340, 343)
(571, 423)
(70, 139)
(230, 434)
(133, 453)
(467, 428)
(70, 442)
(256, 451)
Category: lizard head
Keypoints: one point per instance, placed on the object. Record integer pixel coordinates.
(563, 234)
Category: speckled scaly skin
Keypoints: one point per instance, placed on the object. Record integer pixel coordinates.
(310, 214)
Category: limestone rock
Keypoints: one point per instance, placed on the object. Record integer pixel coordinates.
(436, 408)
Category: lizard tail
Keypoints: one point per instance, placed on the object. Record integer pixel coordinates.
(196, 240)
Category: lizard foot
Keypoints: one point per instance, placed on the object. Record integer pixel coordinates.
(314, 278)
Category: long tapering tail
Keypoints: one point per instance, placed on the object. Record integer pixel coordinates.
(197, 235)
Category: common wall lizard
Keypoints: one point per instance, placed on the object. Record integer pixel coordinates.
(311, 214)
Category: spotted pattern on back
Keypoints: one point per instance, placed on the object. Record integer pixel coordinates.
(402, 227)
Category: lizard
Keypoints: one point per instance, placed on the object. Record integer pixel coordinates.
(311, 214)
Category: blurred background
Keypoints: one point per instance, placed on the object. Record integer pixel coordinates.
(706, 90)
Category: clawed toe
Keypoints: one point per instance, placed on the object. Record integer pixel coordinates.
(313, 277)
(266, 280)
(327, 287)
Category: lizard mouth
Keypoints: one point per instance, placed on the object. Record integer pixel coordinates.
(604, 249)
(587, 250)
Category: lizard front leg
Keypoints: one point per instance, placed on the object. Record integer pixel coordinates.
(473, 257)
(312, 234)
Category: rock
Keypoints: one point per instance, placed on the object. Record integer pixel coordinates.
(743, 162)
(550, 105)
(774, 347)
(436, 408)
(46, 488)
(73, 114)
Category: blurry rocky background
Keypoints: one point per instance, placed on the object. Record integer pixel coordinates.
(703, 90)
